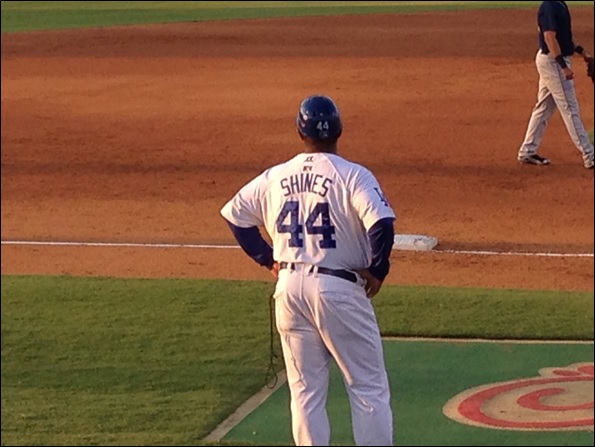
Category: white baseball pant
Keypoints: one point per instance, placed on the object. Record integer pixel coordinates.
(321, 318)
(555, 91)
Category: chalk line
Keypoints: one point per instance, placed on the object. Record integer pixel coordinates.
(234, 247)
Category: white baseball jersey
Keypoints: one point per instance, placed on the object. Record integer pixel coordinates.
(316, 208)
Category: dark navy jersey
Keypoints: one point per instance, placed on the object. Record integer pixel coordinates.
(555, 16)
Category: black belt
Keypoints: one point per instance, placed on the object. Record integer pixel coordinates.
(344, 274)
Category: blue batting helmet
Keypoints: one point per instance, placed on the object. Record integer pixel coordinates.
(319, 119)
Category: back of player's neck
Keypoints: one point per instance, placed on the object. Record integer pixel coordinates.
(321, 150)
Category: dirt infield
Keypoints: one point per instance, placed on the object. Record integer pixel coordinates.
(140, 134)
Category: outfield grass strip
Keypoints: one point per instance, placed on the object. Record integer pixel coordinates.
(35, 16)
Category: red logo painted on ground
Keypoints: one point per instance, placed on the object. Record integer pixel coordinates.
(559, 399)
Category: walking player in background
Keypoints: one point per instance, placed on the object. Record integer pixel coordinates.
(556, 85)
(332, 233)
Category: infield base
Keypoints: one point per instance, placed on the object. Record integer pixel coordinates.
(414, 242)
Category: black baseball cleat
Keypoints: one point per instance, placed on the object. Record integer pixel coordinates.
(533, 159)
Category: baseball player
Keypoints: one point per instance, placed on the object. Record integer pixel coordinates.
(556, 85)
(332, 233)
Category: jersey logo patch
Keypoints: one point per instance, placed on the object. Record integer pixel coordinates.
(383, 198)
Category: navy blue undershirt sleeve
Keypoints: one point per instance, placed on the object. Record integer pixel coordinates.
(253, 244)
(548, 19)
(382, 237)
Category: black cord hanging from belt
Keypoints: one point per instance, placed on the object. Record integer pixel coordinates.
(271, 373)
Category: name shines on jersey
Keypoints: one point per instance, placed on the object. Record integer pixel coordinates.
(306, 182)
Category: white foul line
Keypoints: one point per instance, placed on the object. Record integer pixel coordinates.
(116, 244)
(490, 341)
(224, 247)
(516, 253)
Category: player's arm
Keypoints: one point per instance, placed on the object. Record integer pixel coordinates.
(552, 44)
(549, 24)
(253, 244)
(381, 236)
(556, 53)
(378, 218)
(243, 214)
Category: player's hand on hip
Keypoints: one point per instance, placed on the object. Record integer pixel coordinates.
(275, 270)
(372, 284)
(568, 73)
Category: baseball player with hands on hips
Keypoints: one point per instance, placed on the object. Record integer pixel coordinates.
(556, 85)
(332, 231)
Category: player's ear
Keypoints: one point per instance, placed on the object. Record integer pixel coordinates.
(302, 137)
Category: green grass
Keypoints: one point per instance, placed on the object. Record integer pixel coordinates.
(30, 16)
(88, 361)
(128, 362)
(485, 313)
